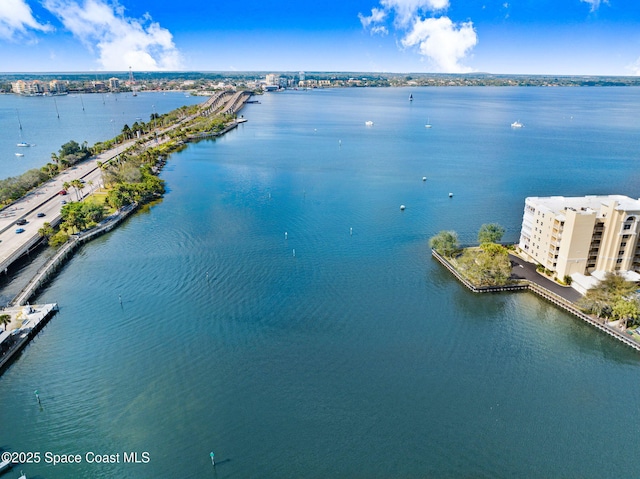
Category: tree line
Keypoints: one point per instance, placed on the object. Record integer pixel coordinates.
(485, 265)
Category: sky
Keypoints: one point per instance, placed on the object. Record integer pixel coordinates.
(544, 37)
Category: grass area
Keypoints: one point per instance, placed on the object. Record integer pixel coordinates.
(99, 197)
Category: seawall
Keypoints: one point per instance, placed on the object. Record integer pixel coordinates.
(527, 285)
(66, 250)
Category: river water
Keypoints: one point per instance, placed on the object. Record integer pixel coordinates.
(279, 309)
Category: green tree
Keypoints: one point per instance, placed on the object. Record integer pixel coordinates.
(625, 310)
(488, 265)
(445, 242)
(600, 299)
(5, 319)
(490, 233)
(77, 185)
(46, 231)
(58, 239)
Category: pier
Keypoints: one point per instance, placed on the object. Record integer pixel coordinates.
(546, 294)
(32, 318)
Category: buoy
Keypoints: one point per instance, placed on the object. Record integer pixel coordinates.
(424, 178)
(401, 207)
(285, 235)
(450, 195)
(351, 231)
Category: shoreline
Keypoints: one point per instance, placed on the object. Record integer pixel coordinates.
(14, 341)
(544, 293)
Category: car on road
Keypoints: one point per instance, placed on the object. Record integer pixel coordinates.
(62, 192)
(21, 221)
(20, 230)
(64, 202)
(41, 215)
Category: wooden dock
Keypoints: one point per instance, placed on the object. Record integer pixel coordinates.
(34, 318)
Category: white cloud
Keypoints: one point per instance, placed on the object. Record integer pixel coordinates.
(595, 4)
(634, 68)
(443, 42)
(406, 10)
(16, 18)
(121, 42)
(377, 16)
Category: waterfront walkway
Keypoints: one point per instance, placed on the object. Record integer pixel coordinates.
(46, 201)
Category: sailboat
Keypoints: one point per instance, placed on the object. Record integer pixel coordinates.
(22, 142)
(410, 96)
(428, 125)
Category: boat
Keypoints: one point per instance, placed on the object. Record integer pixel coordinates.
(410, 96)
(428, 125)
(368, 123)
(241, 120)
(516, 124)
(23, 144)
(19, 154)
(22, 475)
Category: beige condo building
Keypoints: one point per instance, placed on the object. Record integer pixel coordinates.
(582, 235)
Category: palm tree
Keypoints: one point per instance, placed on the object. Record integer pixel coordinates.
(5, 319)
(77, 185)
(46, 231)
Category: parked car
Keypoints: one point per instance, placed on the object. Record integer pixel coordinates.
(41, 215)
(21, 221)
(20, 230)
(64, 202)
(62, 192)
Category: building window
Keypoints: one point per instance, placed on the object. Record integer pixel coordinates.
(627, 227)
(619, 260)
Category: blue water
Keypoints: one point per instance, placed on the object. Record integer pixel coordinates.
(49, 122)
(359, 356)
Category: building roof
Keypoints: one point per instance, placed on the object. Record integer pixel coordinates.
(586, 204)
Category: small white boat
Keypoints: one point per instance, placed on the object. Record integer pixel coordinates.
(516, 124)
(23, 144)
(402, 207)
(241, 120)
(428, 125)
(19, 154)
(368, 123)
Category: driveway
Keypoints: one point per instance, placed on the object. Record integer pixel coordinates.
(525, 270)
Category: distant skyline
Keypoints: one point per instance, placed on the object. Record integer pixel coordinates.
(560, 37)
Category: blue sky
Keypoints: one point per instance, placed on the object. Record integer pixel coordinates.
(561, 37)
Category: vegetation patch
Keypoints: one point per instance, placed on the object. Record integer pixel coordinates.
(483, 266)
(614, 298)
